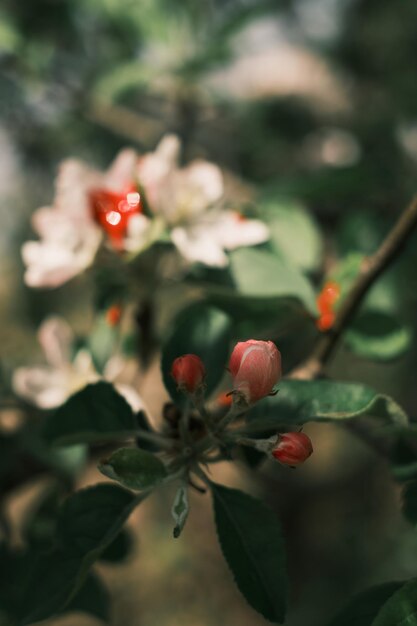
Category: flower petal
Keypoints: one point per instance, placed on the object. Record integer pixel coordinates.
(44, 387)
(197, 245)
(55, 337)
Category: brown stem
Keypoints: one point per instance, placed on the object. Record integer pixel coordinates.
(372, 268)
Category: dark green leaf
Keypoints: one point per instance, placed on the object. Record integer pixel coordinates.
(400, 609)
(96, 413)
(134, 468)
(204, 331)
(119, 549)
(90, 519)
(252, 545)
(88, 523)
(304, 401)
(365, 606)
(410, 502)
(92, 598)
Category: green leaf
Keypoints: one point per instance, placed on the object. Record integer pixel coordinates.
(299, 401)
(400, 609)
(90, 519)
(252, 545)
(88, 522)
(134, 468)
(92, 598)
(262, 275)
(119, 549)
(378, 335)
(96, 413)
(204, 331)
(365, 606)
(180, 510)
(410, 502)
(294, 232)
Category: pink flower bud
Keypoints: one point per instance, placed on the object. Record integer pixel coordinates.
(188, 372)
(256, 368)
(292, 449)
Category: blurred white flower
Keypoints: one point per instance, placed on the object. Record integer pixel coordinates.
(69, 230)
(48, 386)
(188, 200)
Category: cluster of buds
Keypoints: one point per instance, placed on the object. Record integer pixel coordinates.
(255, 367)
(326, 301)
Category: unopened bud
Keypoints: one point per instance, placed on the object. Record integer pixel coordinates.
(189, 372)
(292, 448)
(256, 368)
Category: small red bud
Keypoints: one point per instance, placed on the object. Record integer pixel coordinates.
(113, 210)
(256, 368)
(292, 448)
(113, 315)
(225, 399)
(188, 371)
(326, 301)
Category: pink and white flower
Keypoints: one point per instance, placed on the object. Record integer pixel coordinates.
(87, 205)
(189, 202)
(48, 386)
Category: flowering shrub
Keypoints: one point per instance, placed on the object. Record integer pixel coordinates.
(146, 225)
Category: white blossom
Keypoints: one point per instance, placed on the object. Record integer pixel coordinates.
(50, 385)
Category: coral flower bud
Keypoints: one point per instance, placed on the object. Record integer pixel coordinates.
(292, 449)
(188, 372)
(326, 301)
(113, 315)
(256, 368)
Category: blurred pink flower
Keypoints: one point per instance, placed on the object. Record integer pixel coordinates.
(188, 201)
(69, 230)
(184, 202)
(48, 386)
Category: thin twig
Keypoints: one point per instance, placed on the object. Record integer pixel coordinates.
(372, 268)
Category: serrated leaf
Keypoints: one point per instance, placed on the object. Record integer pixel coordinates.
(299, 401)
(204, 331)
(365, 606)
(90, 519)
(88, 522)
(96, 413)
(180, 510)
(251, 542)
(134, 468)
(92, 598)
(400, 609)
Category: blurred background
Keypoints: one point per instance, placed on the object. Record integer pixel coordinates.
(307, 100)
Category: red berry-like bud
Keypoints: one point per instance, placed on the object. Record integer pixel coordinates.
(113, 210)
(189, 372)
(326, 301)
(113, 315)
(256, 368)
(292, 449)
